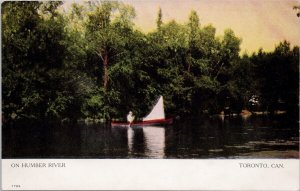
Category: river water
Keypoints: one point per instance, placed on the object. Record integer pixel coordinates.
(208, 137)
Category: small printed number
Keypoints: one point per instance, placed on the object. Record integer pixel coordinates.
(16, 186)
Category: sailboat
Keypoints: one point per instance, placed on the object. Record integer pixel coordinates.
(155, 117)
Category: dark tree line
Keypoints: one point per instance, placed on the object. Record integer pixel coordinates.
(91, 62)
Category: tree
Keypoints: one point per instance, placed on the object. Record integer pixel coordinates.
(243, 83)
(277, 78)
(31, 51)
(159, 19)
(110, 35)
(193, 27)
(90, 61)
(105, 35)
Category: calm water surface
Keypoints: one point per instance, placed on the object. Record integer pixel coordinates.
(209, 137)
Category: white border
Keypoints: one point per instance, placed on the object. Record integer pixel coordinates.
(144, 174)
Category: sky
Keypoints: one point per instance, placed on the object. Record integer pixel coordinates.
(259, 23)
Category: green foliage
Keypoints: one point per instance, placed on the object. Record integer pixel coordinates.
(91, 62)
(278, 72)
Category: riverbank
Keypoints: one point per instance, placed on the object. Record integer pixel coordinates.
(246, 112)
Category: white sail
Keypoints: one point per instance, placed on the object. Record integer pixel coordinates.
(157, 112)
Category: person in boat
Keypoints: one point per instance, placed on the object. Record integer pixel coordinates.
(130, 117)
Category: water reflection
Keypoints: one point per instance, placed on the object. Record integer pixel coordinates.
(155, 141)
(136, 142)
(146, 141)
(130, 134)
(208, 137)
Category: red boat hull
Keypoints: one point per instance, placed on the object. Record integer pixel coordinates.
(145, 123)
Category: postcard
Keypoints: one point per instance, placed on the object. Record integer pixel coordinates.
(150, 95)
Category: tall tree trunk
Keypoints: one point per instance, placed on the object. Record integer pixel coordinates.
(105, 69)
(189, 61)
(189, 67)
